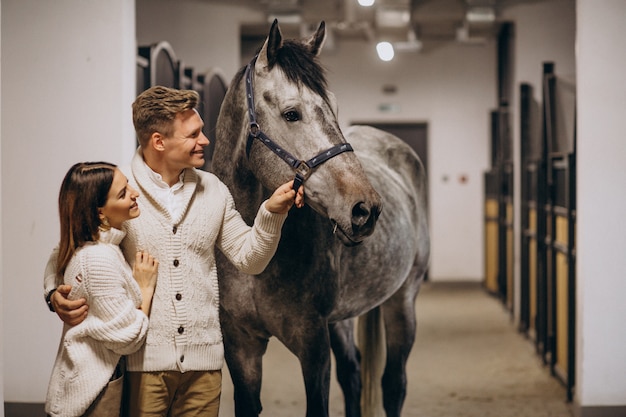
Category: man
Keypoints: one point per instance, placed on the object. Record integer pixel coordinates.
(186, 213)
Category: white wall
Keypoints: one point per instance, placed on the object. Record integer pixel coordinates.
(68, 80)
(1, 223)
(202, 35)
(601, 225)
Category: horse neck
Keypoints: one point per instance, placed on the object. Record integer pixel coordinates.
(229, 161)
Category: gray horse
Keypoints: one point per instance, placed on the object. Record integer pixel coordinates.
(341, 256)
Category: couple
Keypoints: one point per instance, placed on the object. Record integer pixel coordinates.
(174, 359)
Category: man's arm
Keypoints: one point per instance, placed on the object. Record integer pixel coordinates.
(250, 249)
(71, 312)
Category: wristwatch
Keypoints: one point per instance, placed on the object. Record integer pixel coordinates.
(50, 306)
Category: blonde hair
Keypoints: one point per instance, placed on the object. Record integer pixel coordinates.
(155, 109)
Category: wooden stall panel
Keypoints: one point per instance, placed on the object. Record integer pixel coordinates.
(510, 254)
(562, 291)
(491, 245)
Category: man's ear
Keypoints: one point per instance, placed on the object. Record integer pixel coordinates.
(156, 141)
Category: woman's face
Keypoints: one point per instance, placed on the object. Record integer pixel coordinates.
(121, 204)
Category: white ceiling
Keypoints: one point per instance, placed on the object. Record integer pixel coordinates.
(406, 23)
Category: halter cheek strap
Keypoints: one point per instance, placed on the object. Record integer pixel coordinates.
(302, 169)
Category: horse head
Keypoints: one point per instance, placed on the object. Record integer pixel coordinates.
(294, 118)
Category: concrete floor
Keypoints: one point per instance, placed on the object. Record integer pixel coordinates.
(468, 361)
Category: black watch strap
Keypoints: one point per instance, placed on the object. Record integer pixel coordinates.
(50, 306)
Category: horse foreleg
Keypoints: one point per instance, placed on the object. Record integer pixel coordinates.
(313, 351)
(347, 358)
(400, 328)
(244, 357)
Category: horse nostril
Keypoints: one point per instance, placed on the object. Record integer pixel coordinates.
(360, 215)
(376, 210)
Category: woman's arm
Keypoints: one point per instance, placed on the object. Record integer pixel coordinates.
(115, 318)
(145, 273)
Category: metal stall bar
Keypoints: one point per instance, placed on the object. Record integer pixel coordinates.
(563, 181)
(530, 160)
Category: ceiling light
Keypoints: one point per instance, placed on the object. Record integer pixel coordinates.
(481, 15)
(366, 3)
(385, 51)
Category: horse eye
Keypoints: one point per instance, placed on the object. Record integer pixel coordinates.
(291, 116)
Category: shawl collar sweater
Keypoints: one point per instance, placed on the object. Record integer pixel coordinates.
(184, 331)
(89, 352)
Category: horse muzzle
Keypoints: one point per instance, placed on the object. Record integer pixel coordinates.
(363, 223)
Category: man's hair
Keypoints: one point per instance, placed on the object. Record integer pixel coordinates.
(84, 190)
(155, 109)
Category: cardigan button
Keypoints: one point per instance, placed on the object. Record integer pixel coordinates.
(179, 296)
(176, 263)
(181, 330)
(182, 358)
(174, 229)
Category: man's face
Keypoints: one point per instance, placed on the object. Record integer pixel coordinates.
(185, 148)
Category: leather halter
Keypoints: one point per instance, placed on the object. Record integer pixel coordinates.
(302, 169)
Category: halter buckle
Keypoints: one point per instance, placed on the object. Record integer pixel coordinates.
(303, 170)
(254, 129)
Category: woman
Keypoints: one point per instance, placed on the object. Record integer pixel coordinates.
(95, 199)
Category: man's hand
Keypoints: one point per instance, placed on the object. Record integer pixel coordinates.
(71, 312)
(284, 197)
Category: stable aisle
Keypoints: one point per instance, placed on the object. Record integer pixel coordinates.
(468, 361)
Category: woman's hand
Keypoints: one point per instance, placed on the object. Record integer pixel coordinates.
(145, 271)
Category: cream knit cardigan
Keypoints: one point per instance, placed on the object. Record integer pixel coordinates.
(184, 332)
(89, 352)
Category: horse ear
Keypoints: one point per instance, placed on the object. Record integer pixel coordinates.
(316, 41)
(267, 56)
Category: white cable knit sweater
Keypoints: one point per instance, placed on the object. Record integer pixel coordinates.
(184, 331)
(89, 352)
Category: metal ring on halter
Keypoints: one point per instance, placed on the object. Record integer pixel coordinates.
(304, 170)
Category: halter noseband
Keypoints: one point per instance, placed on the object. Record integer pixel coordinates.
(302, 169)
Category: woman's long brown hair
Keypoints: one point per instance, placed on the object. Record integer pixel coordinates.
(84, 190)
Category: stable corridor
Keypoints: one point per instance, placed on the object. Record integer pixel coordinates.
(469, 360)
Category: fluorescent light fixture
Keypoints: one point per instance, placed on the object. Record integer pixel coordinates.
(366, 3)
(385, 51)
(481, 15)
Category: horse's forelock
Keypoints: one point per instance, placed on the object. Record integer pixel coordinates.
(301, 67)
